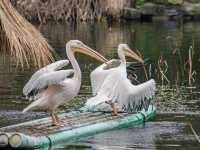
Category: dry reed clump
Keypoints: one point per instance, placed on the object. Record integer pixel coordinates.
(70, 10)
(43, 10)
(20, 39)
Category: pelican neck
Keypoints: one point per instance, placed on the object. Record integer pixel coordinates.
(74, 63)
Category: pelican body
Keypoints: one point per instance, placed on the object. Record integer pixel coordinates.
(50, 87)
(111, 85)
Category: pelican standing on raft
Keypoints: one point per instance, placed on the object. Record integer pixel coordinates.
(111, 85)
(50, 87)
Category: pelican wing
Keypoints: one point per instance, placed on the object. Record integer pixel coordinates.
(45, 70)
(137, 96)
(108, 88)
(48, 79)
(118, 88)
(98, 76)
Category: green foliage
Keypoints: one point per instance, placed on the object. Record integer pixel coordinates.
(192, 1)
(166, 2)
(175, 2)
(139, 2)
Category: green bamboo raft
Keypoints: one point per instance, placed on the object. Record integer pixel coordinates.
(39, 133)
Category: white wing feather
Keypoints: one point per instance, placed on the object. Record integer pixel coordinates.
(49, 68)
(138, 96)
(51, 78)
(98, 76)
(118, 88)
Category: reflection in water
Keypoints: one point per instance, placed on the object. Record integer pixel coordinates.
(146, 137)
(167, 40)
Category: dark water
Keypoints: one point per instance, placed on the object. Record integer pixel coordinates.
(167, 46)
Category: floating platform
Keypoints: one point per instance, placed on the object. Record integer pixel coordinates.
(40, 133)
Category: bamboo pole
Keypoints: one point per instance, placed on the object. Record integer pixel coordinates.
(4, 138)
(35, 122)
(79, 121)
(19, 140)
(46, 122)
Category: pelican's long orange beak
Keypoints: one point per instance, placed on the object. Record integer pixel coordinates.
(130, 53)
(90, 52)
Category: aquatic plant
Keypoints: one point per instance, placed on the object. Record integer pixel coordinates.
(189, 67)
(163, 67)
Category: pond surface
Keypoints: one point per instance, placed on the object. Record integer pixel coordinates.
(166, 44)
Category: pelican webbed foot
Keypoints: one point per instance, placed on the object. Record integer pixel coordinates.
(55, 123)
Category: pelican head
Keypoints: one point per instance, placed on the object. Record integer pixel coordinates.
(78, 46)
(124, 50)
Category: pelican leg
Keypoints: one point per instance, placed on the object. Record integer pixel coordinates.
(55, 120)
(115, 111)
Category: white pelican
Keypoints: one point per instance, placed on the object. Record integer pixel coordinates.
(111, 85)
(50, 87)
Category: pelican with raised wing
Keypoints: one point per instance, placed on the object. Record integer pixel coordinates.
(50, 87)
(111, 85)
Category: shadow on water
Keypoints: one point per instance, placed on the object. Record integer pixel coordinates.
(167, 45)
